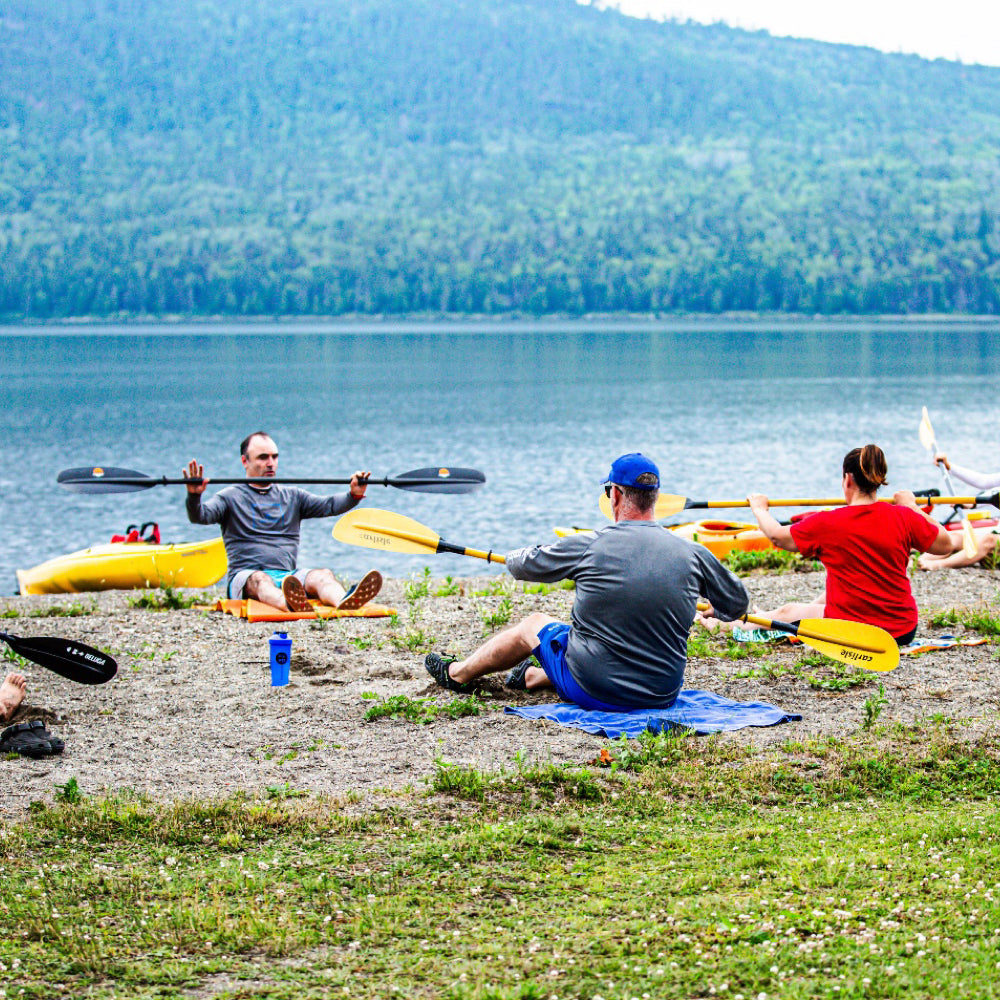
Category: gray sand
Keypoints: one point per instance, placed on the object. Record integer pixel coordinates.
(192, 712)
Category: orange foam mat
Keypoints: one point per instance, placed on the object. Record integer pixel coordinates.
(255, 611)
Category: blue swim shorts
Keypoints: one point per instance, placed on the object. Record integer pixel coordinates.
(551, 654)
(239, 581)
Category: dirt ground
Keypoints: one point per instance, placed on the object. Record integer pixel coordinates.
(192, 713)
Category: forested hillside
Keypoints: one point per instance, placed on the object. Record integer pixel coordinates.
(334, 157)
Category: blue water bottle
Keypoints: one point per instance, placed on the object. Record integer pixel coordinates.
(281, 658)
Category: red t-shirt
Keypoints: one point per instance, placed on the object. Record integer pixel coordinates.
(866, 551)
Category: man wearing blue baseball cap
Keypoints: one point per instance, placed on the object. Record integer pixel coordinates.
(637, 586)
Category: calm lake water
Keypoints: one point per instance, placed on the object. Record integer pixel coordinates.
(542, 410)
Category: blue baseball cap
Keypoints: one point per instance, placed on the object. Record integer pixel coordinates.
(627, 469)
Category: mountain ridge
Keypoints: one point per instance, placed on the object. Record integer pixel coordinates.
(480, 156)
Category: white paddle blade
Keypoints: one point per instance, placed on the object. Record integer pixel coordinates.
(969, 544)
(384, 530)
(927, 432)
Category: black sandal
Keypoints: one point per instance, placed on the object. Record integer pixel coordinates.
(26, 739)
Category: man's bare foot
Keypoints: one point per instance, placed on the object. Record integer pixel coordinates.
(12, 693)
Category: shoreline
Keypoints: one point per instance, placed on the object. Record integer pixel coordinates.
(191, 712)
(487, 323)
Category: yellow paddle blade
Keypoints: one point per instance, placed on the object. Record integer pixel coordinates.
(667, 504)
(382, 529)
(853, 643)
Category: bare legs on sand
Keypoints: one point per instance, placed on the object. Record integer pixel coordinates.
(506, 650)
(986, 541)
(320, 584)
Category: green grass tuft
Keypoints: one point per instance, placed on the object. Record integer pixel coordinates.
(770, 561)
(421, 710)
(164, 599)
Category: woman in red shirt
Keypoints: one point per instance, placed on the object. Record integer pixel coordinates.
(865, 547)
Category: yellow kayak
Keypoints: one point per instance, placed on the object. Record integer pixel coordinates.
(128, 566)
(719, 537)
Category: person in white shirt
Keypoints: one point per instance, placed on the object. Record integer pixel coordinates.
(986, 538)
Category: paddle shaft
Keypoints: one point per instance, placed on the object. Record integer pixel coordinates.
(258, 481)
(438, 545)
(386, 531)
(969, 544)
(993, 499)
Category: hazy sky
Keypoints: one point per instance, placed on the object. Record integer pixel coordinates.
(966, 30)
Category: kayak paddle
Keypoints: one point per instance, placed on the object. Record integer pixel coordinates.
(389, 532)
(97, 479)
(927, 439)
(853, 643)
(66, 657)
(850, 642)
(668, 504)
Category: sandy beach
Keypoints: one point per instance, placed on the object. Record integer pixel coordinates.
(192, 713)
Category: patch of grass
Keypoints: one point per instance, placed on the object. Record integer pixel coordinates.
(649, 750)
(460, 781)
(10, 612)
(769, 561)
(873, 706)
(420, 710)
(498, 587)
(284, 791)
(548, 588)
(15, 658)
(165, 599)
(76, 609)
(69, 793)
(744, 650)
(418, 587)
(769, 670)
(992, 558)
(981, 620)
(699, 644)
(364, 642)
(528, 783)
(449, 588)
(871, 860)
(831, 675)
(415, 640)
(944, 619)
(500, 615)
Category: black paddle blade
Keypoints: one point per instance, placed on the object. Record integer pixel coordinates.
(66, 657)
(91, 479)
(443, 480)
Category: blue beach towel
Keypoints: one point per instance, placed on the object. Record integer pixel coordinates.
(700, 711)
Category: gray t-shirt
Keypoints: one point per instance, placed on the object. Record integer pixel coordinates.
(260, 528)
(637, 585)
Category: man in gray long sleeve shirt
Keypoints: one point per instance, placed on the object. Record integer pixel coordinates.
(636, 590)
(260, 528)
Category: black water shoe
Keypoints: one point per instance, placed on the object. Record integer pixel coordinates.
(437, 667)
